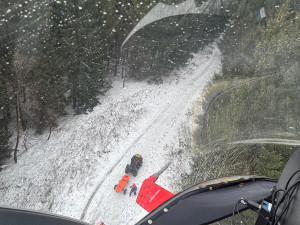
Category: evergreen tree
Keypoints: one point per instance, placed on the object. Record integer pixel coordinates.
(277, 47)
(82, 55)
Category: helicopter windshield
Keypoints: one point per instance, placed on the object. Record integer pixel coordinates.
(93, 90)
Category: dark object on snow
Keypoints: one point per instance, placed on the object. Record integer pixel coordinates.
(210, 201)
(136, 163)
(14, 216)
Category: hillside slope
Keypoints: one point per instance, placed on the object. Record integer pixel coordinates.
(74, 172)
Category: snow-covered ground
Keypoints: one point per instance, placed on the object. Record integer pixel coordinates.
(74, 172)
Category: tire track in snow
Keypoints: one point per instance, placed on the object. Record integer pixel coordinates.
(119, 160)
(158, 118)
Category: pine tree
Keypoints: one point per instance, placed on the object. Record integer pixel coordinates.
(83, 55)
(277, 47)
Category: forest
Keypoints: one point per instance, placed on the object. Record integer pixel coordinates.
(256, 95)
(57, 57)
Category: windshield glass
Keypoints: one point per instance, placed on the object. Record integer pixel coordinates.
(93, 90)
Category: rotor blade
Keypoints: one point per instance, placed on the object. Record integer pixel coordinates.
(161, 170)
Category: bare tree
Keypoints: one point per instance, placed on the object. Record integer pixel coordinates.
(21, 67)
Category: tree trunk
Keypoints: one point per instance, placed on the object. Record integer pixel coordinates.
(107, 68)
(5, 117)
(18, 126)
(116, 65)
(123, 69)
(122, 74)
(7, 111)
(108, 61)
(133, 69)
(74, 99)
(22, 121)
(25, 141)
(50, 131)
(123, 81)
(24, 94)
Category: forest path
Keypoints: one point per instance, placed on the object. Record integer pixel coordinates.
(150, 143)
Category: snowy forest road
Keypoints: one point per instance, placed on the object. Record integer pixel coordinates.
(109, 172)
(74, 172)
(159, 133)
